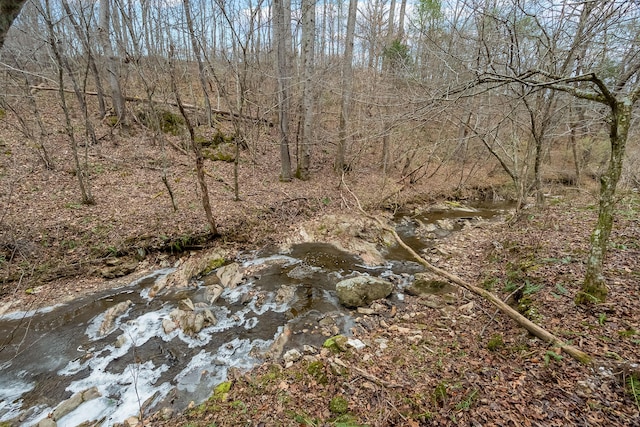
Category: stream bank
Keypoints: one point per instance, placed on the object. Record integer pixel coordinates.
(122, 342)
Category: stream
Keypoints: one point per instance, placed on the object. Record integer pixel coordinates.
(48, 355)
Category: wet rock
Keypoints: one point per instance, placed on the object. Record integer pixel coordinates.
(73, 402)
(276, 349)
(366, 310)
(201, 263)
(302, 271)
(285, 294)
(120, 341)
(362, 290)
(230, 275)
(191, 322)
(357, 235)
(47, 422)
(212, 293)
(111, 315)
(169, 326)
(186, 304)
(131, 422)
(5, 307)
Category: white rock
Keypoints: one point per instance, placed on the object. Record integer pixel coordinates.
(356, 343)
(292, 356)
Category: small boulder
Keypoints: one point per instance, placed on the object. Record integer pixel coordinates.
(291, 356)
(111, 315)
(362, 290)
(230, 275)
(169, 326)
(212, 293)
(186, 304)
(73, 402)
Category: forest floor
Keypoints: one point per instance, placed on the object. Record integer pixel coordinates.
(462, 364)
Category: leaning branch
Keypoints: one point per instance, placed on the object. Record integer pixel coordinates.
(536, 330)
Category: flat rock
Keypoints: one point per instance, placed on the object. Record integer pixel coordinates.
(360, 291)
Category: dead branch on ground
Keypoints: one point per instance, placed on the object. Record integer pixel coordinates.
(533, 328)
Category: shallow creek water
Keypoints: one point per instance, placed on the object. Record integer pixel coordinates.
(48, 355)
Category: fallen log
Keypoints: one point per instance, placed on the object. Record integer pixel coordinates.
(172, 103)
(533, 328)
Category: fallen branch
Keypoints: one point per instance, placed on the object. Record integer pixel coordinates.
(536, 330)
(172, 103)
(366, 375)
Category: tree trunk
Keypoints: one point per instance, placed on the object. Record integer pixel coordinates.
(282, 23)
(594, 287)
(197, 150)
(112, 63)
(9, 10)
(308, 37)
(347, 88)
(196, 52)
(84, 39)
(81, 172)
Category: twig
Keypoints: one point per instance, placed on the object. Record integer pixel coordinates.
(506, 300)
(368, 376)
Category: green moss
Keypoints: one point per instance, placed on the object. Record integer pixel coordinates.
(170, 122)
(336, 344)
(316, 370)
(339, 405)
(111, 121)
(627, 333)
(221, 391)
(223, 153)
(495, 343)
(214, 264)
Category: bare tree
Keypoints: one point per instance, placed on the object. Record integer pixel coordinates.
(308, 41)
(619, 94)
(112, 64)
(282, 25)
(62, 63)
(347, 88)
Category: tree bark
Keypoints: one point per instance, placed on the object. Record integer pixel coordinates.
(282, 23)
(347, 88)
(9, 10)
(594, 287)
(197, 150)
(308, 37)
(81, 170)
(196, 52)
(112, 65)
